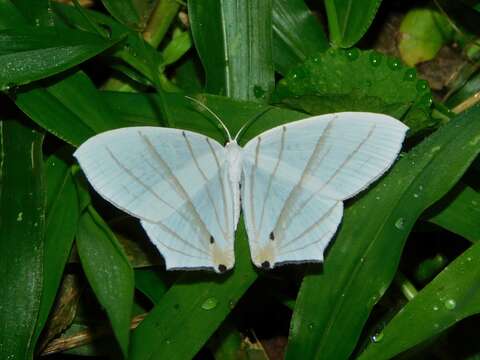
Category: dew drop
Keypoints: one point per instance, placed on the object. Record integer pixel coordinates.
(422, 85)
(168, 342)
(316, 59)
(469, 258)
(400, 223)
(352, 54)
(20, 216)
(377, 337)
(210, 303)
(435, 308)
(450, 304)
(311, 326)
(426, 100)
(436, 326)
(331, 52)
(375, 59)
(410, 75)
(394, 64)
(415, 196)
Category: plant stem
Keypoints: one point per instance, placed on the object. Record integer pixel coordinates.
(160, 21)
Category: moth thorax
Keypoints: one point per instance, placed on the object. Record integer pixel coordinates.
(234, 156)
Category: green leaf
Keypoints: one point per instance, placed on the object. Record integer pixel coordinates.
(354, 80)
(234, 41)
(176, 48)
(151, 283)
(144, 108)
(192, 309)
(459, 212)
(37, 12)
(108, 272)
(349, 20)
(32, 53)
(332, 306)
(452, 296)
(422, 33)
(10, 17)
(123, 10)
(70, 109)
(135, 52)
(22, 226)
(297, 34)
(61, 225)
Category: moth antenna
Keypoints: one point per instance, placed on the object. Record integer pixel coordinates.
(249, 122)
(202, 105)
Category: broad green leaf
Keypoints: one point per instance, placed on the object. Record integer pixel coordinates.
(226, 343)
(176, 48)
(422, 33)
(187, 77)
(297, 34)
(123, 10)
(37, 12)
(61, 225)
(333, 305)
(234, 41)
(192, 309)
(452, 296)
(349, 20)
(354, 80)
(22, 227)
(32, 53)
(70, 109)
(10, 17)
(459, 212)
(151, 283)
(135, 52)
(144, 108)
(108, 272)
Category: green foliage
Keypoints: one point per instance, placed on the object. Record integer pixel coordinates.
(68, 73)
(374, 240)
(28, 54)
(348, 20)
(422, 33)
(450, 297)
(22, 232)
(354, 80)
(108, 272)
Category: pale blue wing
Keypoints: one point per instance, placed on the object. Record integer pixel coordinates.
(176, 182)
(297, 175)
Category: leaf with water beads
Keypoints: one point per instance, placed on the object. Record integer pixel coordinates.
(354, 80)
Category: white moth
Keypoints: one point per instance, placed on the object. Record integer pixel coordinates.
(185, 187)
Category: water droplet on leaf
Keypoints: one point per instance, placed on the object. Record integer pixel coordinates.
(375, 59)
(377, 337)
(400, 223)
(422, 85)
(352, 54)
(394, 64)
(210, 303)
(450, 304)
(410, 75)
